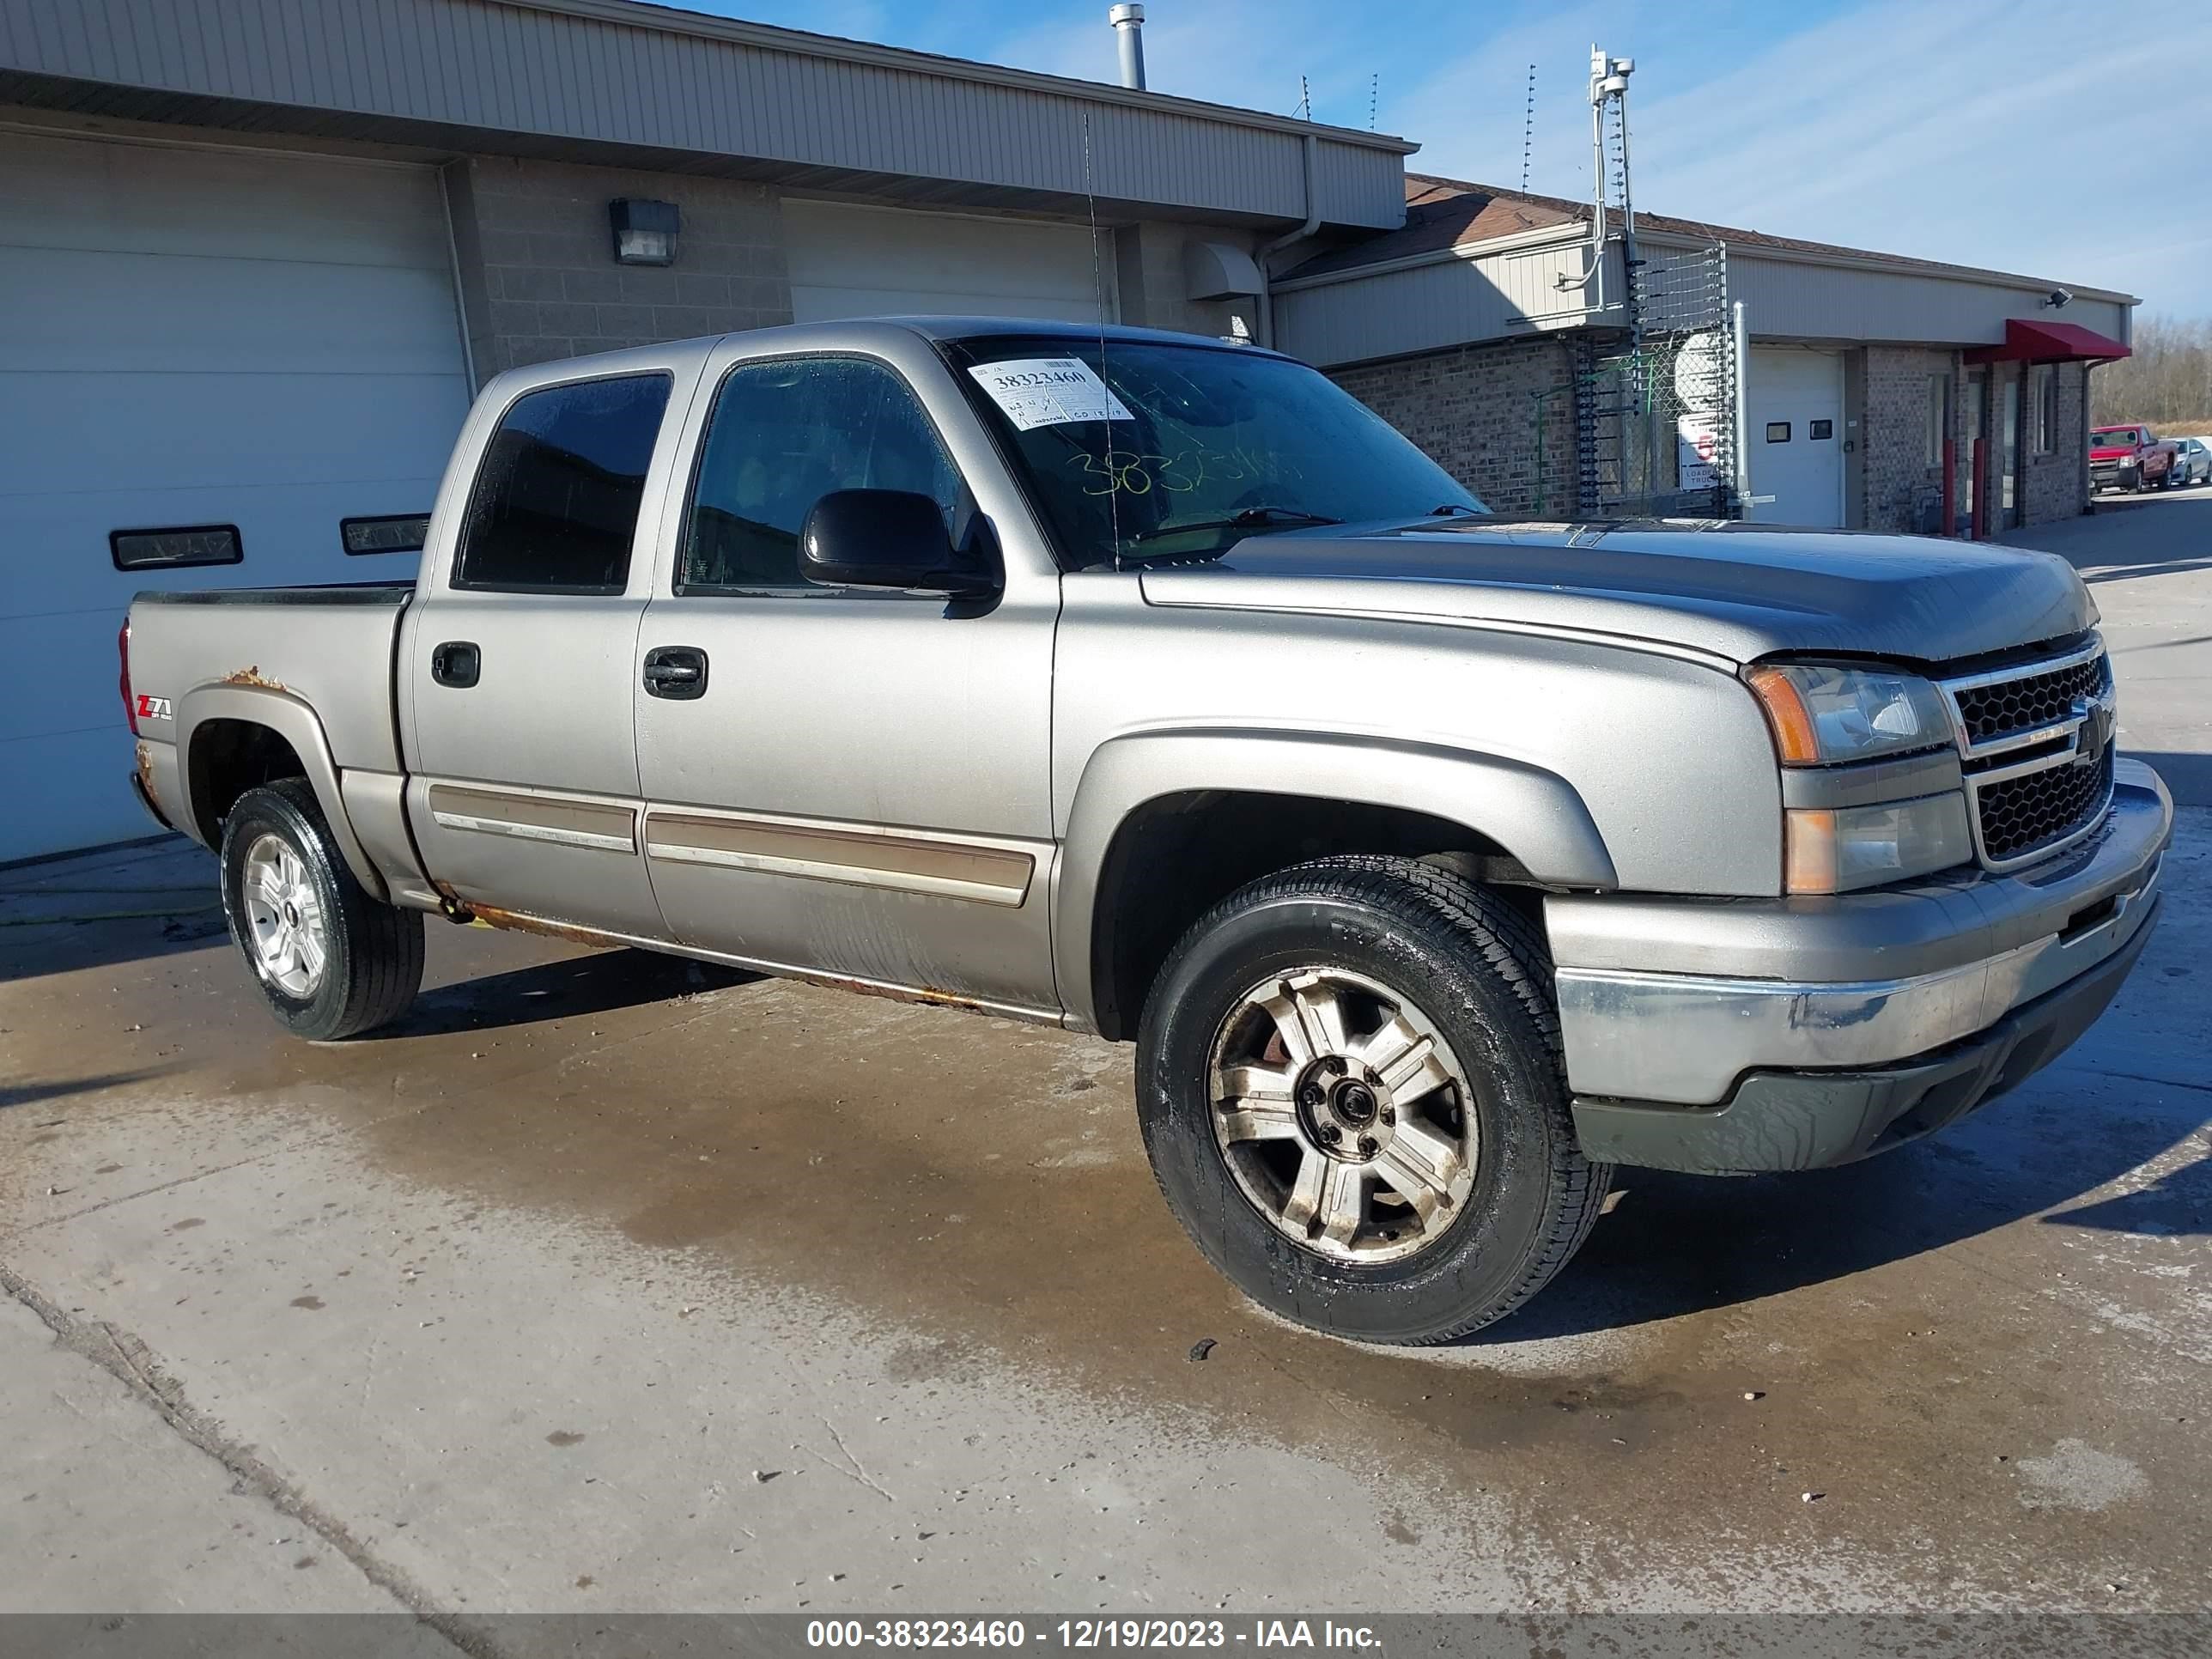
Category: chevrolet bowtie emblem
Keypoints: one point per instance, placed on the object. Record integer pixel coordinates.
(2095, 733)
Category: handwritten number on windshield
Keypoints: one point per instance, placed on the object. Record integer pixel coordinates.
(1134, 472)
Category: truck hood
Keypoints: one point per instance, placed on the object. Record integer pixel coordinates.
(1736, 591)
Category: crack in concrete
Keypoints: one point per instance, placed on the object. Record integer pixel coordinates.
(134, 1364)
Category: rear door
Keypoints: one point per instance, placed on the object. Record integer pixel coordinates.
(857, 783)
(1795, 405)
(517, 662)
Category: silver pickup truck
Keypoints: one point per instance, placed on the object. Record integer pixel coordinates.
(1436, 863)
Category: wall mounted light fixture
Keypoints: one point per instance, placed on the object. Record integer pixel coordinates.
(645, 232)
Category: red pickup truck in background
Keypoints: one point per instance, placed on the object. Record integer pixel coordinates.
(2130, 458)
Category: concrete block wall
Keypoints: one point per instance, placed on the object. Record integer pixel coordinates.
(1475, 411)
(1151, 285)
(538, 277)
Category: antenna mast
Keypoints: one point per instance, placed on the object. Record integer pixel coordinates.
(1528, 130)
(1608, 95)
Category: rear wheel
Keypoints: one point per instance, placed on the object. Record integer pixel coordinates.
(1350, 1087)
(332, 961)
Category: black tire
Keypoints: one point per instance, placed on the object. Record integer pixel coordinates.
(372, 965)
(1480, 975)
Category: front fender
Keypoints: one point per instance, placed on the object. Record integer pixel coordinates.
(1536, 816)
(296, 723)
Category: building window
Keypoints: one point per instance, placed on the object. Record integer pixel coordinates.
(172, 550)
(1939, 417)
(2043, 386)
(403, 533)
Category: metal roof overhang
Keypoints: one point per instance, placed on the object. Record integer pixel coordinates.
(629, 84)
(2027, 341)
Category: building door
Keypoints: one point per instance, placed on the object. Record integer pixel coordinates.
(848, 261)
(1795, 437)
(258, 346)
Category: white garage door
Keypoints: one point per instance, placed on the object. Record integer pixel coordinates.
(884, 262)
(194, 337)
(1795, 402)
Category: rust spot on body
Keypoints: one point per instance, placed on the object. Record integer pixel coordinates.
(491, 916)
(251, 675)
(922, 995)
(146, 770)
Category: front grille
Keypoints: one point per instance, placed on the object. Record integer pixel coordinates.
(2041, 809)
(1987, 713)
(2035, 744)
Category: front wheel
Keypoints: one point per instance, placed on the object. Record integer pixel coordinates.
(1350, 1087)
(332, 961)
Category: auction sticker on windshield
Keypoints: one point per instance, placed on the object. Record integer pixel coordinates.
(1049, 392)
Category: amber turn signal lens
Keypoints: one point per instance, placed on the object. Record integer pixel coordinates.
(1809, 850)
(1786, 715)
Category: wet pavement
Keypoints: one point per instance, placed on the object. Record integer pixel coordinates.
(605, 1282)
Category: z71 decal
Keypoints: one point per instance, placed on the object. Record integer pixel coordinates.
(153, 708)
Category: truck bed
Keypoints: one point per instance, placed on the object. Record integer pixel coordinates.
(331, 648)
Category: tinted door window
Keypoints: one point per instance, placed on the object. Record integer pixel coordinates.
(786, 433)
(556, 501)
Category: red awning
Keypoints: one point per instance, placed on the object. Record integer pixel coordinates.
(2031, 341)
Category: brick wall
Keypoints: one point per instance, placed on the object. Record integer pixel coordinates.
(2054, 480)
(1904, 488)
(538, 278)
(1476, 412)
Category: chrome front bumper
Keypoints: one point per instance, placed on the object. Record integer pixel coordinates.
(1675, 1032)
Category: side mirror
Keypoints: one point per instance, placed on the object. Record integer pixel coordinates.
(884, 539)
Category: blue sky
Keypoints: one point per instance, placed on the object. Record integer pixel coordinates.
(2072, 141)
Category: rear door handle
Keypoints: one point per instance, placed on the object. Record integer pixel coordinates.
(457, 663)
(676, 672)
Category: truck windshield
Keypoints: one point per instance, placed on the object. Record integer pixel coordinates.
(1152, 451)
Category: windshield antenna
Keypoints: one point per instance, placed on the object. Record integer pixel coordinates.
(1106, 397)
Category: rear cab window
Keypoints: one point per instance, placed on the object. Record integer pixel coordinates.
(556, 502)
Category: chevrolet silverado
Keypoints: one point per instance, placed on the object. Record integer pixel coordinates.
(1435, 862)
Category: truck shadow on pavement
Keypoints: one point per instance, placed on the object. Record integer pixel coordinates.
(38, 1091)
(1678, 1245)
(596, 984)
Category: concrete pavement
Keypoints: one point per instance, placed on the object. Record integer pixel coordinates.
(606, 1283)
(2147, 560)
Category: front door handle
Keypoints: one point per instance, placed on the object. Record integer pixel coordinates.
(676, 672)
(457, 663)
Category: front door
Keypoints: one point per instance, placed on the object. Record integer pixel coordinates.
(525, 796)
(854, 782)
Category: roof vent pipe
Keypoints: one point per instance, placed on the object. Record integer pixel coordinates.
(1128, 22)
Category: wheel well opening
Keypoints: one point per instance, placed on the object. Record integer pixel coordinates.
(227, 758)
(1176, 857)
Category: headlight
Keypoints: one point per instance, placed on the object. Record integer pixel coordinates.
(1822, 715)
(1840, 849)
